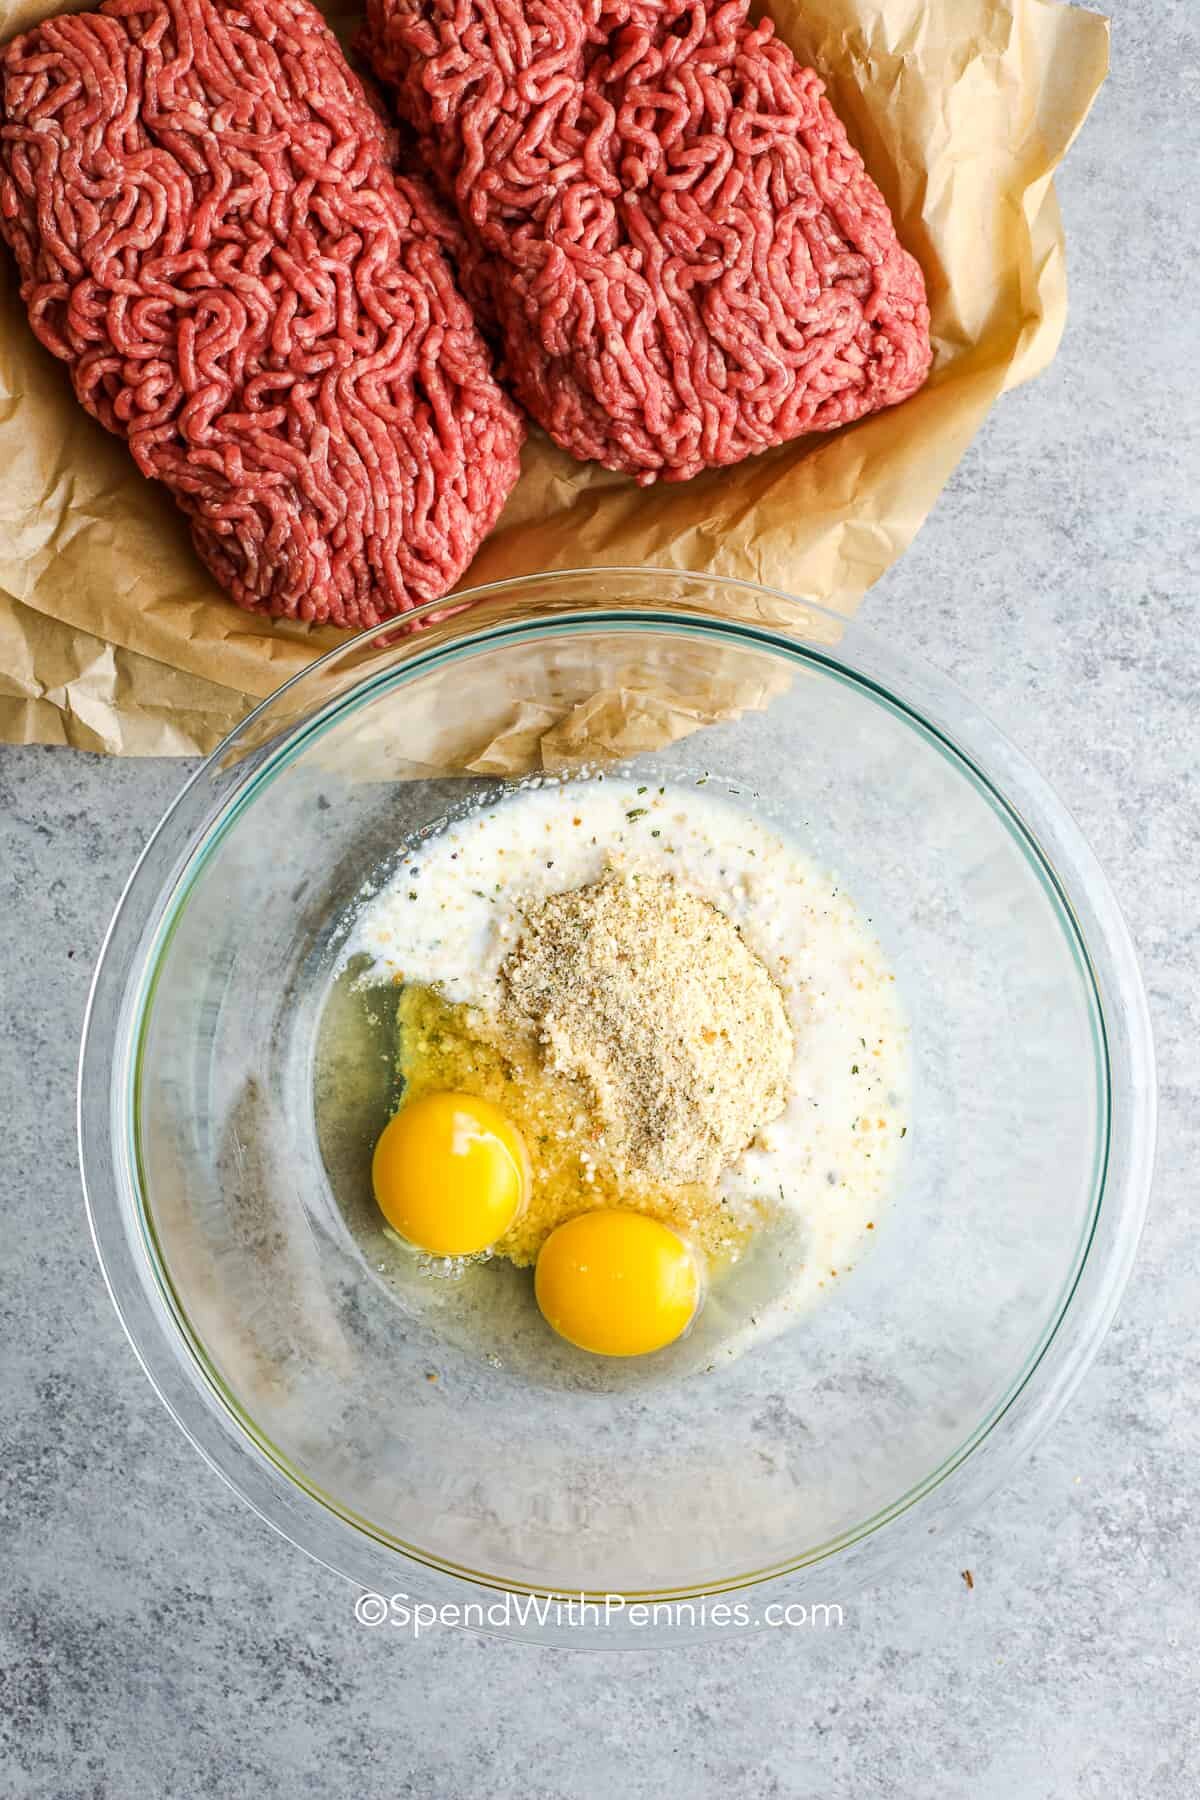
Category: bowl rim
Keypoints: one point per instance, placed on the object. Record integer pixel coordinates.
(125, 972)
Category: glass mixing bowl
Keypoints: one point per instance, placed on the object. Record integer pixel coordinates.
(225, 1144)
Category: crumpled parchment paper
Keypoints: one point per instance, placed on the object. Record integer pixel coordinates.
(113, 637)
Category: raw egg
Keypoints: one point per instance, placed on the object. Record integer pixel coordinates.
(450, 1173)
(617, 1283)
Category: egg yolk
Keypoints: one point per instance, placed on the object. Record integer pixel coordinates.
(450, 1173)
(617, 1283)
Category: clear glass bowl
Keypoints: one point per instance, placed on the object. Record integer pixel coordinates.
(220, 1209)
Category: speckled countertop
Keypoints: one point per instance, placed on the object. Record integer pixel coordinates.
(158, 1643)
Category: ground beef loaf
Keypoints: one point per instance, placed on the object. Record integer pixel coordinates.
(689, 262)
(209, 234)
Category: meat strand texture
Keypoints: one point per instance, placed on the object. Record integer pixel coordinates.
(689, 261)
(210, 236)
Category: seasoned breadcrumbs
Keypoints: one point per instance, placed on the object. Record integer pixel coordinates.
(647, 998)
(454, 1048)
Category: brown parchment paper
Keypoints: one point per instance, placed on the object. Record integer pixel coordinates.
(585, 703)
(112, 636)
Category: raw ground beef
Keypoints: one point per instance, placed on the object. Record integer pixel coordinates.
(199, 198)
(689, 262)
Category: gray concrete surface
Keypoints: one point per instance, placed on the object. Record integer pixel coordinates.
(158, 1643)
